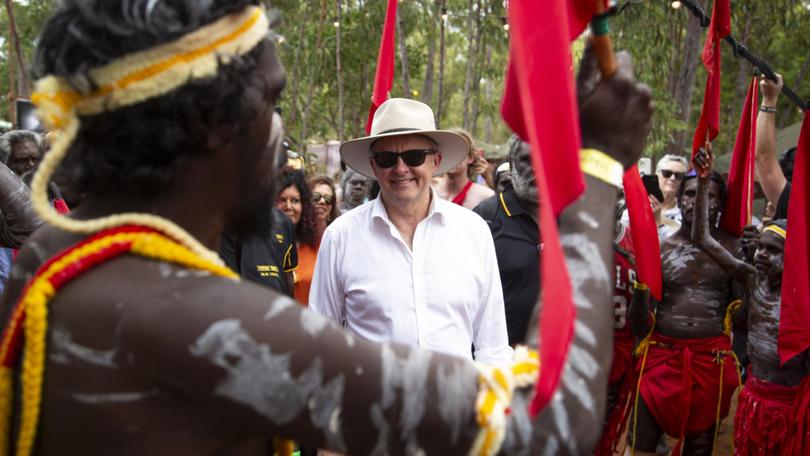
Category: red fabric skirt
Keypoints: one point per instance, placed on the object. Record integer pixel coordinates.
(681, 382)
(799, 437)
(764, 414)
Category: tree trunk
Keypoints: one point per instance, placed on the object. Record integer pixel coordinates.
(338, 16)
(403, 55)
(479, 61)
(12, 87)
(314, 66)
(488, 119)
(471, 57)
(685, 87)
(427, 86)
(294, 74)
(676, 37)
(360, 115)
(441, 64)
(24, 88)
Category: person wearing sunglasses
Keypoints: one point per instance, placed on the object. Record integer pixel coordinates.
(670, 170)
(324, 211)
(423, 270)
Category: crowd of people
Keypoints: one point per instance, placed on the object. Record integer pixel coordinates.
(379, 309)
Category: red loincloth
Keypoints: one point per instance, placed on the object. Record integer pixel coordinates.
(762, 422)
(462, 195)
(680, 382)
(798, 439)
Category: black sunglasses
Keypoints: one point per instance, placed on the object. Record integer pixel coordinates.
(667, 174)
(328, 199)
(412, 158)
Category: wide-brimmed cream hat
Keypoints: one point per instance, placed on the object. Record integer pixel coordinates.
(398, 117)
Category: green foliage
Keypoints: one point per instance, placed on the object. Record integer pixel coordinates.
(651, 31)
(29, 17)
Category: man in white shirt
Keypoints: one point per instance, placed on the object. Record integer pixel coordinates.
(409, 267)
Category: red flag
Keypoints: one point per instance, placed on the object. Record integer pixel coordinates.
(539, 104)
(643, 231)
(580, 14)
(794, 336)
(384, 78)
(709, 122)
(740, 199)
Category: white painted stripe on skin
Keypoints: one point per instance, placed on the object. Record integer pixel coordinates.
(561, 421)
(312, 322)
(277, 306)
(583, 362)
(113, 398)
(64, 347)
(584, 333)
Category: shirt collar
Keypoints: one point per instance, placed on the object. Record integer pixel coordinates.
(438, 208)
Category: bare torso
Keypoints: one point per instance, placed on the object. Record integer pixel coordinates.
(697, 291)
(763, 330)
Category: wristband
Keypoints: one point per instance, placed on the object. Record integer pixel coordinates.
(640, 286)
(768, 109)
(601, 166)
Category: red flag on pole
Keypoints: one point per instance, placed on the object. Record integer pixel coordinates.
(539, 104)
(384, 77)
(794, 336)
(643, 231)
(709, 123)
(740, 200)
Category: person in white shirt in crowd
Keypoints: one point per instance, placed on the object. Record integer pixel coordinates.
(408, 266)
(671, 169)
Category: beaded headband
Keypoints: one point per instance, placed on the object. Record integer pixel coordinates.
(129, 80)
(775, 229)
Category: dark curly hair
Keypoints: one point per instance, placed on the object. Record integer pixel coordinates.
(305, 228)
(325, 180)
(141, 148)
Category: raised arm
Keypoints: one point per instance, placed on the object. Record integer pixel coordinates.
(770, 174)
(615, 116)
(701, 229)
(17, 217)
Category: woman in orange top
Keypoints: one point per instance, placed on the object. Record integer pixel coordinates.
(325, 210)
(295, 200)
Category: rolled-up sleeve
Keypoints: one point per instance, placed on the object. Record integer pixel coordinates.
(490, 338)
(326, 295)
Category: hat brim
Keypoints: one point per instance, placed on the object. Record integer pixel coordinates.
(356, 153)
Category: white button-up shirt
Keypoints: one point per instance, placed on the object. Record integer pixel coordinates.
(444, 294)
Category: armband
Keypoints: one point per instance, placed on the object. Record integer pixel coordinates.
(601, 166)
